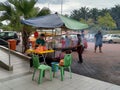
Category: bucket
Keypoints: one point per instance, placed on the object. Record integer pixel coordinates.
(54, 67)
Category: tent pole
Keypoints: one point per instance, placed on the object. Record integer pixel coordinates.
(53, 42)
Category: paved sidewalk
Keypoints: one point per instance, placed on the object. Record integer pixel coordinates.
(20, 65)
(77, 82)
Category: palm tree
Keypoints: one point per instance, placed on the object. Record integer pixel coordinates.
(94, 13)
(81, 13)
(27, 9)
(84, 13)
(14, 9)
(44, 11)
(10, 14)
(115, 13)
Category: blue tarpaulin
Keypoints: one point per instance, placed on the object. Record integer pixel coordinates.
(54, 21)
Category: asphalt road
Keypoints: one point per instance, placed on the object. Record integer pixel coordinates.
(103, 66)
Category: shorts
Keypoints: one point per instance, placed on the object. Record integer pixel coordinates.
(100, 45)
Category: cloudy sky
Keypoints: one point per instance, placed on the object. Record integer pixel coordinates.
(69, 5)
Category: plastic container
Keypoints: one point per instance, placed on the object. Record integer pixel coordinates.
(12, 44)
(54, 67)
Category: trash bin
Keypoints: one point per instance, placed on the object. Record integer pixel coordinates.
(12, 44)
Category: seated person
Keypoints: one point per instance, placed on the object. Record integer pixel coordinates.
(56, 59)
(61, 62)
(40, 41)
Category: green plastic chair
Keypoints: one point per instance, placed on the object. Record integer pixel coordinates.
(67, 64)
(41, 68)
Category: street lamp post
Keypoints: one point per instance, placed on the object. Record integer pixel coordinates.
(61, 6)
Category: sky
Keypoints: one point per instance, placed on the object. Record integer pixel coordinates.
(69, 5)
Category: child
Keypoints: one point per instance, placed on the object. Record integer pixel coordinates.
(56, 59)
(61, 63)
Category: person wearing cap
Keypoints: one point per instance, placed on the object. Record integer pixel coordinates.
(80, 48)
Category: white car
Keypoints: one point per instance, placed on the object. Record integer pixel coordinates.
(111, 38)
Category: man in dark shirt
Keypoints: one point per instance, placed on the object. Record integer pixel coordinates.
(98, 41)
(80, 48)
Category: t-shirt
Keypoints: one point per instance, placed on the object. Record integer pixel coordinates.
(98, 37)
(40, 41)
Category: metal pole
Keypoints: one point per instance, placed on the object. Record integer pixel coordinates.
(61, 6)
(9, 54)
(9, 51)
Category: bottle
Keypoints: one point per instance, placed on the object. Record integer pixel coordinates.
(30, 45)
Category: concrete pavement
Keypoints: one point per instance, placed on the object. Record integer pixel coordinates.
(77, 82)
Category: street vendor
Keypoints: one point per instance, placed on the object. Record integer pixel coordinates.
(40, 41)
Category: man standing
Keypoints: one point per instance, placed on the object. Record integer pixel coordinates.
(80, 48)
(98, 41)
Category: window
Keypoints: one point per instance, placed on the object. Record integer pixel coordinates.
(2, 34)
(10, 34)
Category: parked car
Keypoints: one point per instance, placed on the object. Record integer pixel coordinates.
(3, 43)
(6, 35)
(111, 38)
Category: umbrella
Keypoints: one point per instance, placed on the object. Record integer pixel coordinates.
(54, 21)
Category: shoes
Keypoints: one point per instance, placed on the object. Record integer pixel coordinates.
(80, 62)
(100, 51)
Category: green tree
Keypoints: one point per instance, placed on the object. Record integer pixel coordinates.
(82, 20)
(115, 13)
(10, 14)
(94, 13)
(1, 24)
(14, 9)
(44, 11)
(106, 21)
(27, 10)
(81, 13)
(102, 12)
(75, 14)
